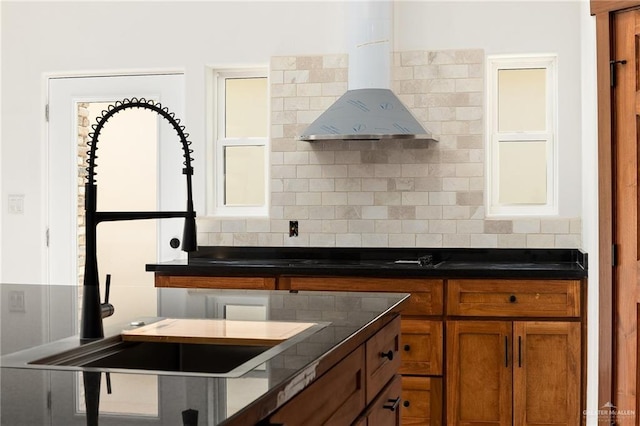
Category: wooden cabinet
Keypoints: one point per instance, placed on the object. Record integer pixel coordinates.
(514, 347)
(337, 397)
(421, 345)
(426, 294)
(514, 298)
(421, 342)
(243, 283)
(479, 383)
(519, 371)
(385, 409)
(546, 373)
(364, 388)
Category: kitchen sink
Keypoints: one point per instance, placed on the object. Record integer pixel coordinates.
(161, 356)
(232, 359)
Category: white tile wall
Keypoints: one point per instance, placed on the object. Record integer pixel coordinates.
(388, 193)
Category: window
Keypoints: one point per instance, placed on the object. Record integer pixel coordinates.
(239, 171)
(521, 131)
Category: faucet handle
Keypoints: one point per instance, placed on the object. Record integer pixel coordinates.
(107, 308)
(108, 287)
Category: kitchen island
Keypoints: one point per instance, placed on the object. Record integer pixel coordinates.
(351, 327)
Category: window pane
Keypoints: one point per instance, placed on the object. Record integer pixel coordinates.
(523, 172)
(244, 175)
(522, 100)
(245, 107)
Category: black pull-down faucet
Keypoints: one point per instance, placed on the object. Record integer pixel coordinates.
(93, 311)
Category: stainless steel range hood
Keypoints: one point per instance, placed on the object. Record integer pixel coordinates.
(369, 110)
(366, 114)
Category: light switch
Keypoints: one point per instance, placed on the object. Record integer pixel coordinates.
(16, 204)
(16, 301)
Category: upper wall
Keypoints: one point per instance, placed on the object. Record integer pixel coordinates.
(71, 38)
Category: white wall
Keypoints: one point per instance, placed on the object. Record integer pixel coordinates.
(512, 27)
(97, 37)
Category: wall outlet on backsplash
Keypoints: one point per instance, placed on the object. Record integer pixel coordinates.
(293, 228)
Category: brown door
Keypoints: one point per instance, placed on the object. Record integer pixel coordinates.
(479, 380)
(625, 213)
(546, 373)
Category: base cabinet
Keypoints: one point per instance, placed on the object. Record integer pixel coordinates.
(364, 388)
(473, 351)
(521, 373)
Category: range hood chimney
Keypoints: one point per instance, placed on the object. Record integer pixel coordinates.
(369, 110)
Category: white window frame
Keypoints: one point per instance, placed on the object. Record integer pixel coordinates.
(215, 171)
(494, 137)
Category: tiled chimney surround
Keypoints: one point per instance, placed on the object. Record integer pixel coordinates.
(389, 193)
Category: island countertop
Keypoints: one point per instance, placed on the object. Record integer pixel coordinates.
(32, 396)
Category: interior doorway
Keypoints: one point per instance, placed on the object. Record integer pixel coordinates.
(139, 168)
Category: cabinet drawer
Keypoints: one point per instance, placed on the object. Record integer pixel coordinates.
(514, 298)
(383, 357)
(245, 283)
(421, 345)
(421, 401)
(335, 398)
(426, 294)
(385, 409)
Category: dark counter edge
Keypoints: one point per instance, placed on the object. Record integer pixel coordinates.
(562, 263)
(258, 411)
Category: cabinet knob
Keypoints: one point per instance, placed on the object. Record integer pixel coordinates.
(406, 404)
(407, 348)
(388, 355)
(392, 404)
(513, 298)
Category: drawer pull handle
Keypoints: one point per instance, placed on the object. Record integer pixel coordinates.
(388, 355)
(392, 404)
(513, 298)
(407, 348)
(406, 404)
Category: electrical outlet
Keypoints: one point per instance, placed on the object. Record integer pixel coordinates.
(16, 301)
(293, 228)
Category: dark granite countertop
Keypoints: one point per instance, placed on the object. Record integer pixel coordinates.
(379, 262)
(54, 396)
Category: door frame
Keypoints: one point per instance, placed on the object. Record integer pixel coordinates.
(603, 12)
(47, 78)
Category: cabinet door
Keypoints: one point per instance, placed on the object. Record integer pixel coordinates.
(479, 378)
(421, 344)
(546, 373)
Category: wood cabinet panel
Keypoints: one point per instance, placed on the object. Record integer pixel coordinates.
(546, 373)
(383, 357)
(537, 365)
(421, 401)
(332, 399)
(426, 294)
(385, 409)
(247, 283)
(421, 344)
(479, 381)
(514, 298)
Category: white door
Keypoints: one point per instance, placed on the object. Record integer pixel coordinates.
(148, 156)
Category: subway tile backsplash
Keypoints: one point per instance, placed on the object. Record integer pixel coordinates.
(394, 193)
